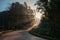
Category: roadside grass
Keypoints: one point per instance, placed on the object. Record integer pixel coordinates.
(42, 35)
(6, 31)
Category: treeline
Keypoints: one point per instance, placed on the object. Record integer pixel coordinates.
(18, 16)
(52, 19)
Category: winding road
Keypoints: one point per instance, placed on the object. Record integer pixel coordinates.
(19, 35)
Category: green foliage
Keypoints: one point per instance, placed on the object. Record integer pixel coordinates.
(52, 7)
(18, 16)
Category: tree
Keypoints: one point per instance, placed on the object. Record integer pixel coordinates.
(19, 15)
(52, 8)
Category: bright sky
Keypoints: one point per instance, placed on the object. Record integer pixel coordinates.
(5, 3)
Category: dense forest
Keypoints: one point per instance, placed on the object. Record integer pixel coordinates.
(17, 16)
(49, 27)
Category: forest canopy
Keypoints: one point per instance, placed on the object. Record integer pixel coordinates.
(18, 16)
